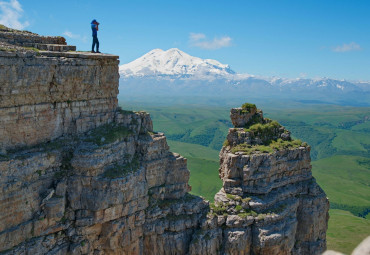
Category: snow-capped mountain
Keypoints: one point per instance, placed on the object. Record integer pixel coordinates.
(174, 72)
(316, 84)
(174, 63)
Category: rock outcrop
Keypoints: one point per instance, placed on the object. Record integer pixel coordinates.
(268, 188)
(78, 175)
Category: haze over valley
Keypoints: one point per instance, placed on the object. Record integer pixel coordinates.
(174, 73)
(189, 100)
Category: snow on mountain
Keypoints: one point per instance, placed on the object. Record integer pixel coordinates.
(318, 84)
(174, 63)
(179, 67)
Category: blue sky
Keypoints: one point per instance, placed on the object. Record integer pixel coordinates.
(286, 38)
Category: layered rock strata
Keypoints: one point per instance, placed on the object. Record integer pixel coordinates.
(56, 92)
(80, 176)
(77, 174)
(269, 203)
(31, 40)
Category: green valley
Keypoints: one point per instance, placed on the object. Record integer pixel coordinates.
(339, 137)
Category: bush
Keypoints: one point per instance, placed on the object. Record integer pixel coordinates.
(251, 149)
(249, 107)
(280, 144)
(248, 213)
(219, 209)
(226, 143)
(246, 199)
(233, 197)
(238, 208)
(267, 129)
(271, 147)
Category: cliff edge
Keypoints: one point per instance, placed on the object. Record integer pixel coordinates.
(79, 175)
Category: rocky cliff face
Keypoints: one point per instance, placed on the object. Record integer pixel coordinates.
(80, 176)
(267, 182)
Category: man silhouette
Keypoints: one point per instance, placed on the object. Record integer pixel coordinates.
(95, 28)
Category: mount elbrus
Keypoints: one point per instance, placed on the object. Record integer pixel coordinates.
(79, 175)
(174, 73)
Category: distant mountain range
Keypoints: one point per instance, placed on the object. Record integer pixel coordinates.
(176, 73)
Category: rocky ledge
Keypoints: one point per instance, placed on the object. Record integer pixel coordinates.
(79, 175)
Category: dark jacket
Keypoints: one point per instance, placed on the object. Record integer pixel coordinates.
(94, 30)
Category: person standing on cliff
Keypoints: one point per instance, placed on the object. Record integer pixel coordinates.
(95, 28)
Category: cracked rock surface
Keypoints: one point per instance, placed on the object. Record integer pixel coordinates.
(80, 176)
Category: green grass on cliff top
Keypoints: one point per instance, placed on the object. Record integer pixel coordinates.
(2, 27)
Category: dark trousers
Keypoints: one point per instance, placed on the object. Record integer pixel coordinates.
(95, 41)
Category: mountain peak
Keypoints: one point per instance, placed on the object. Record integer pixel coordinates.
(155, 51)
(173, 63)
(175, 50)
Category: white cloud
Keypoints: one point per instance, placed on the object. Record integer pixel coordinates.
(71, 35)
(214, 44)
(11, 13)
(196, 36)
(200, 40)
(347, 47)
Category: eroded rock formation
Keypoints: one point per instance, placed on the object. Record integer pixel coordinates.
(268, 189)
(80, 176)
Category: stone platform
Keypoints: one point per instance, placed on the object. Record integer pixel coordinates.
(48, 90)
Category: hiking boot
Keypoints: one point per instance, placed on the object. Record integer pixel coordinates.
(92, 51)
(98, 52)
